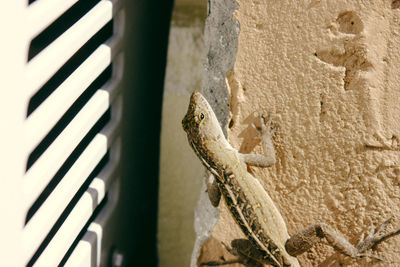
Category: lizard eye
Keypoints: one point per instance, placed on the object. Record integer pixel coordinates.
(201, 116)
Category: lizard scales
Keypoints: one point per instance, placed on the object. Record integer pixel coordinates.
(248, 202)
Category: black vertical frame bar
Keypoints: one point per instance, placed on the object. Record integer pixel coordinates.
(147, 30)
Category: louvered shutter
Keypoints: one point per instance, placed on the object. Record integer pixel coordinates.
(72, 108)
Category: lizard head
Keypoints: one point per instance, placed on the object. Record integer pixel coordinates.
(203, 130)
(200, 121)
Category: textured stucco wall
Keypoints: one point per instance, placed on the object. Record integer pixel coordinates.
(328, 71)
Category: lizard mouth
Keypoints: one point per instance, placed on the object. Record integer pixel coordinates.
(188, 122)
(185, 123)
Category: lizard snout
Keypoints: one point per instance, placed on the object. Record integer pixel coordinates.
(186, 123)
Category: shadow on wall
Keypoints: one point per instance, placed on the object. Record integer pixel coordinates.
(147, 28)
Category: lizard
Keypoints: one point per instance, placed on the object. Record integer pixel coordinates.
(268, 241)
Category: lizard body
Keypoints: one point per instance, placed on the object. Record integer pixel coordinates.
(251, 207)
(248, 202)
(256, 214)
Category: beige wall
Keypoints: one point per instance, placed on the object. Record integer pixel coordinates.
(328, 71)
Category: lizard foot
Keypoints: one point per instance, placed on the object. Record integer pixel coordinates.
(374, 237)
(266, 126)
(309, 236)
(239, 258)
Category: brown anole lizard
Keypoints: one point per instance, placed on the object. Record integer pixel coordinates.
(250, 205)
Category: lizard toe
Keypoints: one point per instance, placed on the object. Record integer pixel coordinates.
(372, 256)
(258, 129)
(375, 237)
(384, 225)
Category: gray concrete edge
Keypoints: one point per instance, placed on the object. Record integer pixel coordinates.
(221, 37)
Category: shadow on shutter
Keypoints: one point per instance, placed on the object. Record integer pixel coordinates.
(74, 68)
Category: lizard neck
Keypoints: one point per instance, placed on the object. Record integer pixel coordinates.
(212, 152)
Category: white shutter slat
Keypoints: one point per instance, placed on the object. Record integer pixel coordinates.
(41, 172)
(60, 197)
(43, 119)
(50, 59)
(97, 229)
(42, 13)
(81, 257)
(106, 178)
(68, 231)
(76, 220)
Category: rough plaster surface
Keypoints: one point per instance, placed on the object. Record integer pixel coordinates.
(328, 71)
(181, 173)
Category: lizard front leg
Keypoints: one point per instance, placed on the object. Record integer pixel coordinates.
(306, 238)
(214, 194)
(266, 133)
